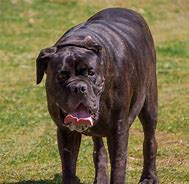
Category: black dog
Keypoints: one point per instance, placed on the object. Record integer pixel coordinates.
(100, 75)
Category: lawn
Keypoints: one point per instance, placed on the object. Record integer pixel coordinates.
(28, 147)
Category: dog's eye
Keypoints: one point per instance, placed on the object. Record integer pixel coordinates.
(62, 75)
(91, 72)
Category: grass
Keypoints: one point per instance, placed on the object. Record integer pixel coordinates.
(28, 148)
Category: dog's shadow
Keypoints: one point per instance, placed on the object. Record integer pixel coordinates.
(55, 180)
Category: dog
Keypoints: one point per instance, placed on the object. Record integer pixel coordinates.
(101, 75)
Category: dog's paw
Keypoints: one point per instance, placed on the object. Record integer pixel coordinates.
(148, 181)
(71, 180)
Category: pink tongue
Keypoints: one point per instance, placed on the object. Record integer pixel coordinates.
(79, 116)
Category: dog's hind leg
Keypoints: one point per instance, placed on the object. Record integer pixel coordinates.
(100, 161)
(148, 118)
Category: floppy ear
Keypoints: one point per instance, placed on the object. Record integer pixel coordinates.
(91, 44)
(81, 41)
(42, 61)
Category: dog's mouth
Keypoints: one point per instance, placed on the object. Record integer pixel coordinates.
(81, 115)
(80, 119)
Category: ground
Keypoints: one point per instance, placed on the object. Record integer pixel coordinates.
(28, 147)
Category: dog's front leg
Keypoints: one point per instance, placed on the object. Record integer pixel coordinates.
(117, 146)
(100, 161)
(68, 144)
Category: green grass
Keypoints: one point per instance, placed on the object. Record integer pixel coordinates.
(28, 148)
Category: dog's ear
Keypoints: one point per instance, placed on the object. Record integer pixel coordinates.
(91, 44)
(42, 61)
(81, 41)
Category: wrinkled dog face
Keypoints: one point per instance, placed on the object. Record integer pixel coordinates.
(75, 82)
(74, 78)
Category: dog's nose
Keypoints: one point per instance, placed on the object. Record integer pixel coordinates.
(78, 88)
